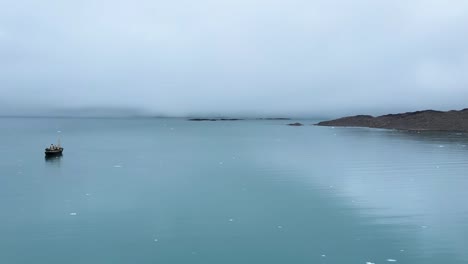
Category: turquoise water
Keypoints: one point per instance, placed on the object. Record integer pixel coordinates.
(173, 191)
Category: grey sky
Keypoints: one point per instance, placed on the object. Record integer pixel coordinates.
(313, 57)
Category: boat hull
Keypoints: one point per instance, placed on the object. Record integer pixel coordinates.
(53, 153)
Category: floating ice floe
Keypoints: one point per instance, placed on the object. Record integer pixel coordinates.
(368, 262)
(72, 213)
(155, 240)
(231, 220)
(323, 256)
(391, 260)
(117, 166)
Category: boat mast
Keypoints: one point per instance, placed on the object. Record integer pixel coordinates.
(58, 140)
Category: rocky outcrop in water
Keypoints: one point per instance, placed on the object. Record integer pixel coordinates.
(214, 119)
(429, 120)
(295, 124)
(273, 118)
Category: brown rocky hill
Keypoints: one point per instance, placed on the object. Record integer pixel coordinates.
(421, 120)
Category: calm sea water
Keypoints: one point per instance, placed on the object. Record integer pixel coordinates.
(173, 191)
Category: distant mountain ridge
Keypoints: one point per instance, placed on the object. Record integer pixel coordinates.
(72, 112)
(430, 120)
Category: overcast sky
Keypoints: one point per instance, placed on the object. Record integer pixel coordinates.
(179, 57)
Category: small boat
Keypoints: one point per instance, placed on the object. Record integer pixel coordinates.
(54, 150)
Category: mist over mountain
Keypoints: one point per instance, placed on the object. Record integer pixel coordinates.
(231, 58)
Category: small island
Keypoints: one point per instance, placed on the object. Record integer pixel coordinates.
(214, 119)
(296, 124)
(273, 118)
(428, 120)
(236, 119)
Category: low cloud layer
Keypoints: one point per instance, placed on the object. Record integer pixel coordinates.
(297, 57)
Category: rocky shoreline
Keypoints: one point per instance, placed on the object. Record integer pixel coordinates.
(428, 120)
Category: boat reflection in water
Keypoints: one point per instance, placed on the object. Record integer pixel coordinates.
(53, 158)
